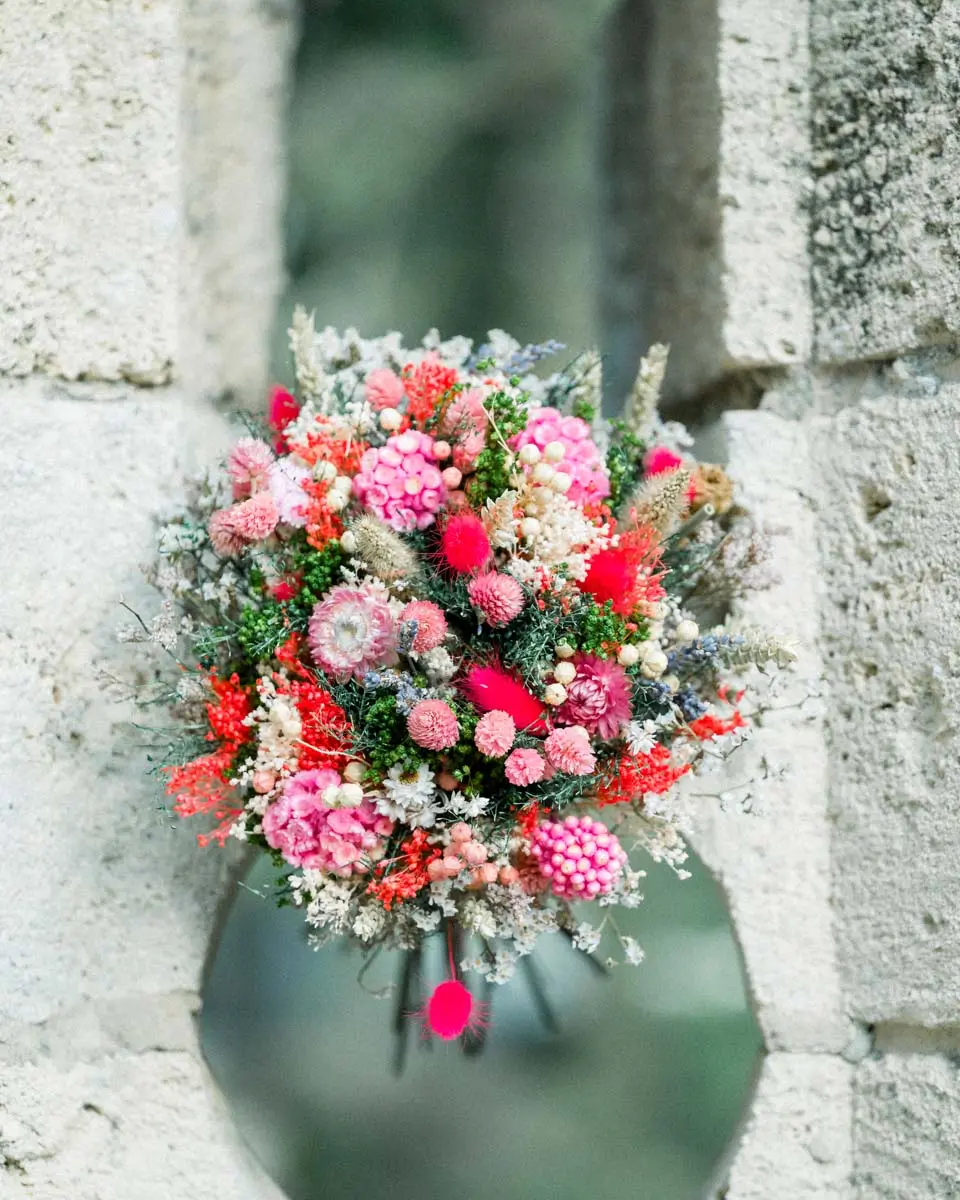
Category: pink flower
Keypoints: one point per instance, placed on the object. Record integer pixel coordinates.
(248, 465)
(308, 833)
(569, 751)
(223, 536)
(285, 481)
(579, 856)
(351, 631)
(465, 423)
(495, 733)
(499, 597)
(384, 389)
(433, 725)
(599, 698)
(660, 459)
(249, 521)
(401, 483)
(524, 767)
(582, 460)
(431, 624)
(464, 545)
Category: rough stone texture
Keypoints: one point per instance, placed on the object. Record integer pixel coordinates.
(886, 133)
(907, 1127)
(796, 1144)
(706, 175)
(775, 863)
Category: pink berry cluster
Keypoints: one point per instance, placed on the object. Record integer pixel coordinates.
(579, 856)
(401, 482)
(465, 852)
(581, 459)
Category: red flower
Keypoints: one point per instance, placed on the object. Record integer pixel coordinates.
(710, 726)
(325, 728)
(227, 714)
(282, 410)
(411, 875)
(629, 575)
(464, 545)
(489, 688)
(637, 776)
(426, 385)
(201, 787)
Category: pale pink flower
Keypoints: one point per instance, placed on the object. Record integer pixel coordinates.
(433, 725)
(431, 624)
(569, 751)
(599, 698)
(498, 597)
(579, 856)
(285, 481)
(248, 465)
(223, 534)
(465, 423)
(495, 733)
(401, 483)
(384, 389)
(582, 460)
(308, 833)
(351, 631)
(256, 518)
(524, 767)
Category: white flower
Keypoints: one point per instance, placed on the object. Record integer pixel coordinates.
(410, 799)
(285, 484)
(438, 665)
(641, 737)
(467, 806)
(632, 951)
(586, 937)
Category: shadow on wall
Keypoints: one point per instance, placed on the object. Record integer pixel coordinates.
(443, 172)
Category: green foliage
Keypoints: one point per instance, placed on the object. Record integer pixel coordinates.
(380, 732)
(262, 630)
(319, 571)
(624, 462)
(600, 627)
(508, 416)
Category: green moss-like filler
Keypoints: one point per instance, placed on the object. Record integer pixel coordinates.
(319, 570)
(508, 416)
(262, 630)
(380, 734)
(624, 462)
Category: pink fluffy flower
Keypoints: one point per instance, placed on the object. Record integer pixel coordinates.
(351, 631)
(249, 521)
(569, 751)
(223, 536)
(464, 544)
(660, 459)
(524, 767)
(384, 389)
(498, 597)
(579, 856)
(308, 833)
(495, 733)
(433, 725)
(598, 698)
(248, 465)
(285, 481)
(431, 624)
(401, 483)
(582, 460)
(465, 424)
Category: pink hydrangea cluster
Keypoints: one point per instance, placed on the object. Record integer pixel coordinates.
(498, 597)
(599, 698)
(581, 461)
(309, 833)
(524, 767)
(433, 725)
(579, 856)
(352, 631)
(495, 733)
(569, 751)
(401, 483)
(431, 624)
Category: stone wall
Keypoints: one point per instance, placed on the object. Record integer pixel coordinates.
(140, 181)
(817, 207)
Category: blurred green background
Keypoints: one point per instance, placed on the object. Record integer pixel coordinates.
(443, 171)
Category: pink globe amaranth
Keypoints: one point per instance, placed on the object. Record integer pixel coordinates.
(494, 733)
(579, 857)
(308, 833)
(523, 767)
(351, 631)
(433, 725)
(401, 483)
(599, 697)
(499, 598)
(582, 460)
(431, 624)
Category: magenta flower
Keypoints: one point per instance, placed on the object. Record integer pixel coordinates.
(599, 698)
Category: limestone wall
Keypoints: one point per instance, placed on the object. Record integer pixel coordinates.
(139, 203)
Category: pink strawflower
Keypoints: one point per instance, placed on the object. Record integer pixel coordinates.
(599, 698)
(285, 482)
(431, 624)
(582, 460)
(401, 483)
(499, 597)
(569, 751)
(464, 545)
(495, 733)
(248, 465)
(660, 459)
(384, 389)
(433, 725)
(351, 631)
(223, 535)
(579, 856)
(308, 833)
(524, 767)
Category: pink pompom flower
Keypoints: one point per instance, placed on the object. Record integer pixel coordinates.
(401, 483)
(464, 545)
(433, 725)
(351, 631)
(309, 833)
(495, 733)
(524, 767)
(579, 857)
(251, 520)
(599, 698)
(582, 460)
(569, 751)
(223, 536)
(431, 624)
(498, 597)
(248, 465)
(659, 460)
(384, 389)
